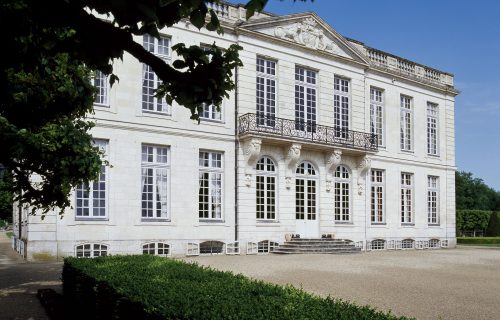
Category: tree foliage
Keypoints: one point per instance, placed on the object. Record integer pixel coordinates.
(472, 219)
(49, 51)
(472, 193)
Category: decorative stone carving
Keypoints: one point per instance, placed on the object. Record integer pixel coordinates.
(291, 159)
(251, 152)
(364, 167)
(309, 34)
(332, 161)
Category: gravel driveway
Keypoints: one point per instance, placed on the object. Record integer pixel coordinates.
(459, 283)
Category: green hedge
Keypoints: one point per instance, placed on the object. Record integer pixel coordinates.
(472, 220)
(478, 240)
(148, 287)
(493, 229)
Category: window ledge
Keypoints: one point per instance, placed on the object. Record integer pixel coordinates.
(91, 219)
(433, 156)
(267, 223)
(378, 224)
(155, 220)
(407, 224)
(101, 105)
(153, 114)
(212, 121)
(342, 223)
(434, 225)
(212, 221)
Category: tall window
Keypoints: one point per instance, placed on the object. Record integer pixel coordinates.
(210, 191)
(432, 200)
(342, 194)
(377, 114)
(305, 99)
(100, 82)
(155, 171)
(91, 250)
(266, 189)
(377, 196)
(150, 81)
(341, 107)
(305, 192)
(432, 128)
(91, 197)
(406, 198)
(406, 136)
(266, 92)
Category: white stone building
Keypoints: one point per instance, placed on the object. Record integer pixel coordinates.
(323, 135)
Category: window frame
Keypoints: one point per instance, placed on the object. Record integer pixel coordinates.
(270, 112)
(211, 171)
(340, 124)
(92, 249)
(429, 118)
(377, 184)
(406, 143)
(374, 106)
(307, 177)
(267, 174)
(100, 77)
(156, 248)
(342, 181)
(147, 69)
(156, 166)
(407, 217)
(103, 145)
(433, 189)
(307, 124)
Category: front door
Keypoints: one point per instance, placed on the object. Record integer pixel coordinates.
(306, 210)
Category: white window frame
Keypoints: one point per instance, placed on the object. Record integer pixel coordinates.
(93, 249)
(266, 169)
(406, 123)
(433, 200)
(377, 110)
(153, 248)
(307, 79)
(90, 190)
(310, 174)
(152, 45)
(157, 167)
(209, 112)
(378, 244)
(213, 172)
(101, 83)
(377, 194)
(432, 129)
(341, 106)
(266, 96)
(407, 199)
(266, 246)
(341, 179)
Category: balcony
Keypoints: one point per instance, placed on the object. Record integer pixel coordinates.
(305, 132)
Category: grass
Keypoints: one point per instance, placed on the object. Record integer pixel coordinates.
(479, 241)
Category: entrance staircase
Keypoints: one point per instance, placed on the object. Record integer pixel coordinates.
(318, 246)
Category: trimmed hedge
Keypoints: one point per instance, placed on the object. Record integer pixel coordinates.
(472, 219)
(478, 240)
(493, 229)
(148, 287)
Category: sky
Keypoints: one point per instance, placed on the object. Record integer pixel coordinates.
(457, 36)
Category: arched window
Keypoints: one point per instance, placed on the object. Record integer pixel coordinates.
(265, 189)
(266, 246)
(305, 192)
(342, 194)
(407, 244)
(91, 250)
(378, 244)
(212, 247)
(156, 248)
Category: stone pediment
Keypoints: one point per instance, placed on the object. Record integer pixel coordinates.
(307, 30)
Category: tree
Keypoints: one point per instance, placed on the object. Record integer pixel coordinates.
(45, 91)
(472, 193)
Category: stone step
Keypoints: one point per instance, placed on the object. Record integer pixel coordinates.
(317, 246)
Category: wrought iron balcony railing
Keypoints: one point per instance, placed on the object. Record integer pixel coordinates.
(266, 125)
